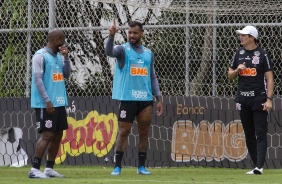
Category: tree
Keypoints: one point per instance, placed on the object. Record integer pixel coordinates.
(12, 72)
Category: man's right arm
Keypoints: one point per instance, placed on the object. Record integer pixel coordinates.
(232, 74)
(233, 69)
(117, 52)
(38, 71)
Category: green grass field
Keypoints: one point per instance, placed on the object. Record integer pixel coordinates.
(99, 174)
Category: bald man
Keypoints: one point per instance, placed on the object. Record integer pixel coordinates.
(50, 66)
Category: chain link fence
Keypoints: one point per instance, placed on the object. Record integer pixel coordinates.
(193, 41)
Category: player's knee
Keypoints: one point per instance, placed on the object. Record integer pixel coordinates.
(124, 132)
(47, 136)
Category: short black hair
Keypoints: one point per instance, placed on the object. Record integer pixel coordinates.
(135, 23)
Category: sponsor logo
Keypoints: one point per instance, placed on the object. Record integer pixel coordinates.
(48, 124)
(247, 93)
(139, 94)
(248, 72)
(96, 134)
(60, 100)
(58, 77)
(189, 110)
(255, 60)
(241, 59)
(37, 125)
(123, 114)
(242, 52)
(238, 106)
(208, 141)
(257, 53)
(140, 61)
(138, 71)
(248, 58)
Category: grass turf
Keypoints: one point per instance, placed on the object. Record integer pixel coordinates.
(99, 174)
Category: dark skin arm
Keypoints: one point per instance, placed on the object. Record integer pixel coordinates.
(159, 105)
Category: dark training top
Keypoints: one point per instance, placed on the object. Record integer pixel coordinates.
(257, 62)
(119, 53)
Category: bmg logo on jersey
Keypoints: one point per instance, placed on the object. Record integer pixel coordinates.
(58, 77)
(139, 94)
(248, 72)
(138, 71)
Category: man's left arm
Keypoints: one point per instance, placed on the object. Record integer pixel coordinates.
(66, 67)
(269, 82)
(64, 51)
(156, 88)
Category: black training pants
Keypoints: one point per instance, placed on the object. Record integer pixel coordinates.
(254, 121)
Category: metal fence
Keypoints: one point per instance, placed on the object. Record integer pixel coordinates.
(193, 41)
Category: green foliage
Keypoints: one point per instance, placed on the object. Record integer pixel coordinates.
(11, 80)
(12, 72)
(168, 46)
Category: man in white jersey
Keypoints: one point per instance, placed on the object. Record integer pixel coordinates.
(135, 84)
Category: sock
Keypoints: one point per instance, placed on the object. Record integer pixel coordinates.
(50, 164)
(142, 158)
(36, 163)
(118, 158)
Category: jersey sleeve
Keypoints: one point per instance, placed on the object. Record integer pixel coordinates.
(233, 63)
(155, 84)
(38, 72)
(268, 65)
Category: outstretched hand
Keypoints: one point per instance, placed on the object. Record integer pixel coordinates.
(113, 29)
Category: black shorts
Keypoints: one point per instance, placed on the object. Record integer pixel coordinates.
(128, 110)
(51, 122)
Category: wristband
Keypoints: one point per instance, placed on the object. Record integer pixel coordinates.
(269, 98)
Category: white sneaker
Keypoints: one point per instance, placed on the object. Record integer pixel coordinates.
(250, 172)
(35, 173)
(255, 171)
(258, 171)
(52, 173)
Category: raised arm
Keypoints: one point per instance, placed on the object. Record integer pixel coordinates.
(114, 51)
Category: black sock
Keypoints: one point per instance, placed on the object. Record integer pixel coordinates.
(118, 158)
(50, 164)
(36, 163)
(142, 158)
